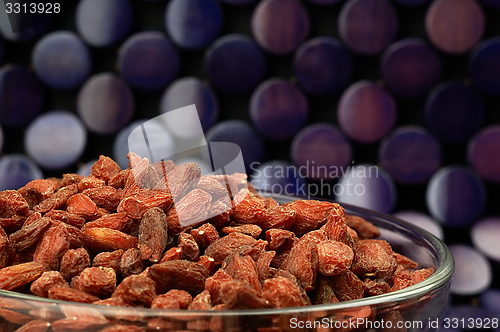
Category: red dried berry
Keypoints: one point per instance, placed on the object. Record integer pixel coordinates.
(136, 289)
(239, 295)
(131, 262)
(248, 229)
(66, 217)
(171, 254)
(47, 280)
(282, 293)
(70, 294)
(334, 257)
(174, 299)
(105, 239)
(105, 168)
(202, 301)
(109, 259)
(302, 262)
(221, 248)
(309, 215)
(57, 200)
(52, 246)
(74, 262)
(106, 197)
(29, 235)
(98, 281)
(190, 211)
(242, 268)
(185, 275)
(190, 249)
(153, 234)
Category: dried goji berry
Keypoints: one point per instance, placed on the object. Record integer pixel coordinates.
(221, 248)
(278, 237)
(105, 239)
(248, 229)
(334, 257)
(131, 262)
(47, 280)
(213, 283)
(242, 268)
(66, 217)
(171, 254)
(116, 221)
(28, 236)
(364, 229)
(109, 259)
(70, 294)
(239, 295)
(375, 287)
(202, 301)
(98, 281)
(74, 262)
(90, 182)
(190, 249)
(346, 286)
(106, 197)
(212, 186)
(302, 262)
(136, 289)
(190, 211)
(173, 299)
(186, 275)
(57, 200)
(141, 201)
(205, 235)
(105, 168)
(182, 179)
(153, 234)
(282, 293)
(309, 215)
(371, 260)
(52, 246)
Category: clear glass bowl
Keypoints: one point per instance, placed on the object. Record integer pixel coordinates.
(416, 308)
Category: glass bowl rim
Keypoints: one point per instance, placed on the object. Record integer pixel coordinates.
(439, 278)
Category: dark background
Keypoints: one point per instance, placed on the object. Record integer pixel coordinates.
(150, 16)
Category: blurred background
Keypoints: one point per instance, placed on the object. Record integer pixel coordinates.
(316, 93)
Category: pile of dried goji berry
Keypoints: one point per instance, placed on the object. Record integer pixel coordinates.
(117, 238)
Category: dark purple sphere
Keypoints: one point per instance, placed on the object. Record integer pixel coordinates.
(148, 61)
(322, 66)
(454, 26)
(485, 234)
(278, 177)
(367, 186)
(472, 275)
(193, 24)
(483, 153)
(484, 66)
(367, 26)
(234, 63)
(240, 133)
(191, 90)
(321, 151)
(16, 170)
(410, 155)
(279, 26)
(105, 104)
(366, 112)
(278, 109)
(55, 140)
(490, 299)
(21, 97)
(456, 196)
(103, 23)
(61, 60)
(454, 112)
(410, 68)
